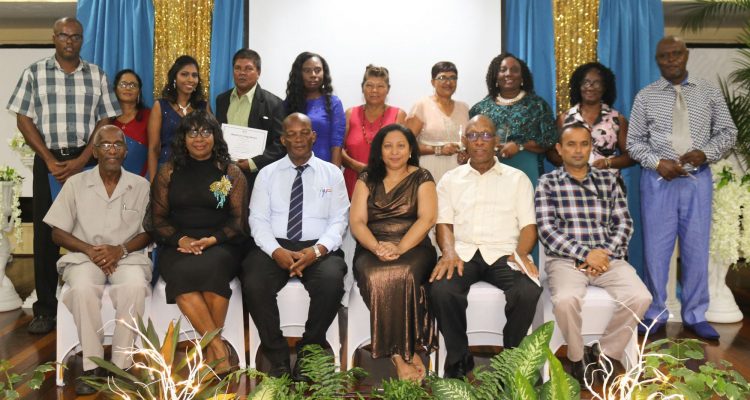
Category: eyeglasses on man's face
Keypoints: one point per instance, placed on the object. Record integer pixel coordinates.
(63, 37)
(117, 146)
(485, 136)
(443, 78)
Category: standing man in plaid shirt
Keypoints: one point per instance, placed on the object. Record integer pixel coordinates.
(59, 101)
(583, 221)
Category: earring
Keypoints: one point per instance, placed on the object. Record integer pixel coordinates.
(174, 83)
(138, 100)
(497, 84)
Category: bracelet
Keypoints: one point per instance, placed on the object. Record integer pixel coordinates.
(438, 150)
(178, 240)
(124, 251)
(608, 162)
(657, 164)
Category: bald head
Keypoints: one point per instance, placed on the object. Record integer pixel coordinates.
(297, 117)
(57, 27)
(483, 120)
(672, 57)
(108, 131)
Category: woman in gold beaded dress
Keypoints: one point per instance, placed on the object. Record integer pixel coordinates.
(394, 206)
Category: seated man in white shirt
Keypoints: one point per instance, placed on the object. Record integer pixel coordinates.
(485, 219)
(98, 218)
(298, 214)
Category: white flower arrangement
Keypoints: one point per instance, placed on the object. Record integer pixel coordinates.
(18, 144)
(8, 174)
(730, 220)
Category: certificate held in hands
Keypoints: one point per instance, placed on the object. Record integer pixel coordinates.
(244, 143)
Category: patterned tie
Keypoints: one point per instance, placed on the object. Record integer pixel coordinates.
(294, 226)
(681, 140)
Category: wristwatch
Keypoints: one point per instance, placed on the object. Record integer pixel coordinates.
(520, 147)
(318, 254)
(124, 251)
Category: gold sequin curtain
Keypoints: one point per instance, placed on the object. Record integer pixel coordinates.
(181, 27)
(576, 33)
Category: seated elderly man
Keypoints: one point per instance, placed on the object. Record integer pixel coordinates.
(485, 230)
(97, 218)
(583, 221)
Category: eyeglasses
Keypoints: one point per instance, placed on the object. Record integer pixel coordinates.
(63, 37)
(108, 146)
(474, 136)
(204, 133)
(592, 84)
(446, 78)
(128, 85)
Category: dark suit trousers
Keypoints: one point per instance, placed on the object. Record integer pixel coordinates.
(449, 300)
(262, 279)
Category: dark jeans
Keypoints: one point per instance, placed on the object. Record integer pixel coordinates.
(262, 279)
(449, 301)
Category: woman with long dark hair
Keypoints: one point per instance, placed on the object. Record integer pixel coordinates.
(181, 95)
(309, 91)
(199, 218)
(393, 208)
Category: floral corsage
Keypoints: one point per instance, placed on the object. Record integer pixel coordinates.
(221, 189)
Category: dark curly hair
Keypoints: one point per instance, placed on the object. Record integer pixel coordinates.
(296, 97)
(527, 82)
(139, 105)
(576, 79)
(199, 119)
(170, 90)
(375, 165)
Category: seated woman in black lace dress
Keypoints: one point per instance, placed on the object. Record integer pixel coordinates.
(199, 219)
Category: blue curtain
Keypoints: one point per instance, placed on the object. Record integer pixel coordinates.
(118, 35)
(529, 34)
(228, 28)
(628, 33)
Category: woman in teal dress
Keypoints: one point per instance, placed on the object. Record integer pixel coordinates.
(524, 121)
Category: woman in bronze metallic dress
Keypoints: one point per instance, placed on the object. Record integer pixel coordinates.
(394, 206)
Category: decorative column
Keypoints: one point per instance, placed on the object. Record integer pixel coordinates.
(9, 299)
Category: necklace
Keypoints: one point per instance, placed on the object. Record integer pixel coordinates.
(365, 121)
(507, 102)
(184, 109)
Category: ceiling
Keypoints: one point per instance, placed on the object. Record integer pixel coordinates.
(34, 14)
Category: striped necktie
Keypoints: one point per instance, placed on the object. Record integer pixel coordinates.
(294, 226)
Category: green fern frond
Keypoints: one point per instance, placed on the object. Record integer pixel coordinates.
(452, 389)
(318, 365)
(395, 389)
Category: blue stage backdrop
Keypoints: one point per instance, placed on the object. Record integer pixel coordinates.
(118, 35)
(529, 34)
(628, 33)
(227, 30)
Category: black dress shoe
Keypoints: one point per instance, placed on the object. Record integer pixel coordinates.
(280, 369)
(577, 371)
(460, 369)
(297, 375)
(41, 324)
(83, 388)
(593, 365)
